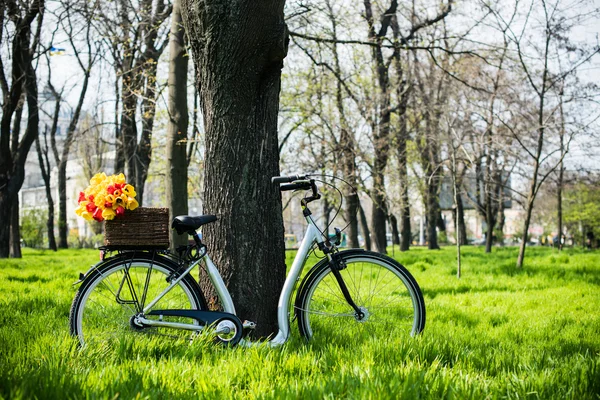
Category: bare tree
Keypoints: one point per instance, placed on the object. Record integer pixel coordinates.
(541, 77)
(136, 36)
(45, 167)
(85, 59)
(20, 19)
(177, 164)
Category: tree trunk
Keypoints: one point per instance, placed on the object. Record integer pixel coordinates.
(491, 222)
(405, 232)
(460, 224)
(561, 169)
(176, 183)
(45, 169)
(402, 137)
(501, 221)
(63, 229)
(119, 164)
(128, 131)
(395, 233)
(239, 49)
(347, 148)
(143, 149)
(525, 235)
(12, 163)
(432, 214)
(15, 231)
(365, 227)
(381, 127)
(379, 217)
(351, 214)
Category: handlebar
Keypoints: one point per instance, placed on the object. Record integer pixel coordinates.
(286, 179)
(295, 186)
(298, 183)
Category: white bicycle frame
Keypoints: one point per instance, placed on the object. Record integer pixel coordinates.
(283, 307)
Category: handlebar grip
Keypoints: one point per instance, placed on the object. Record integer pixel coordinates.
(285, 179)
(294, 186)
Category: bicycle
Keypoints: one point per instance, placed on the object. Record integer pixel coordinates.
(151, 291)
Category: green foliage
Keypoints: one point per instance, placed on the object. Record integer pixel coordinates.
(498, 332)
(582, 205)
(33, 227)
(443, 237)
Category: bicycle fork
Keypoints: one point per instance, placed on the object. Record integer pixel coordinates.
(336, 266)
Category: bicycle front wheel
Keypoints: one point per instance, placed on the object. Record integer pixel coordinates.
(117, 290)
(389, 298)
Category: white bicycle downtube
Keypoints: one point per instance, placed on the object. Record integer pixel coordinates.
(283, 307)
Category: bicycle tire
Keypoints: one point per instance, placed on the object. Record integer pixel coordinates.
(380, 286)
(106, 301)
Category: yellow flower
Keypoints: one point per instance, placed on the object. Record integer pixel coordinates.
(121, 200)
(129, 190)
(118, 178)
(132, 203)
(87, 216)
(79, 210)
(108, 214)
(98, 178)
(99, 200)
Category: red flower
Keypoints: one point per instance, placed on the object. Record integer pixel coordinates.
(98, 215)
(91, 207)
(120, 211)
(91, 198)
(110, 189)
(119, 186)
(81, 197)
(107, 205)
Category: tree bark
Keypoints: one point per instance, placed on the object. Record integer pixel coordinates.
(365, 227)
(15, 232)
(45, 169)
(177, 176)
(12, 164)
(239, 49)
(395, 233)
(432, 210)
(15, 229)
(401, 139)
(561, 170)
(460, 224)
(351, 214)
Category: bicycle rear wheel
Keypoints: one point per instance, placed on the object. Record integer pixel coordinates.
(118, 289)
(386, 293)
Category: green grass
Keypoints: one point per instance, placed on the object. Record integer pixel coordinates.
(495, 333)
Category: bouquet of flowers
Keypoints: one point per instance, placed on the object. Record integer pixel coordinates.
(106, 197)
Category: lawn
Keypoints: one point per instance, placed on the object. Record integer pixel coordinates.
(494, 333)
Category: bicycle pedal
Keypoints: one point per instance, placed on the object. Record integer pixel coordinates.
(248, 325)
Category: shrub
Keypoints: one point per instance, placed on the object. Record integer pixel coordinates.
(33, 227)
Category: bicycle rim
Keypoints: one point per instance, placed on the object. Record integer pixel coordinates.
(104, 307)
(384, 291)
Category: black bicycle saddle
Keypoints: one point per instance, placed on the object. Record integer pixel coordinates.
(189, 224)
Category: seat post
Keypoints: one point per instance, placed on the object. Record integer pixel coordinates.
(197, 239)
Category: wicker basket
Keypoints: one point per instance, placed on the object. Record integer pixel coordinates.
(142, 228)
